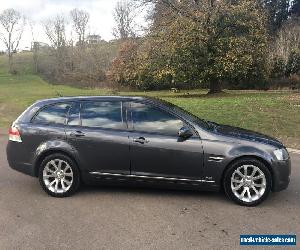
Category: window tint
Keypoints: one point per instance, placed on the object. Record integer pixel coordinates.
(146, 118)
(101, 114)
(53, 114)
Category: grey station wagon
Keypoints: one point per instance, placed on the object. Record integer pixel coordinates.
(142, 141)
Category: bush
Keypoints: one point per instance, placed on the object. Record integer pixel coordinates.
(294, 81)
(278, 68)
(293, 64)
(83, 66)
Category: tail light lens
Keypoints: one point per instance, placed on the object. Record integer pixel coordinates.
(14, 135)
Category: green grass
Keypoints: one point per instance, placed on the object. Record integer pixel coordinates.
(273, 113)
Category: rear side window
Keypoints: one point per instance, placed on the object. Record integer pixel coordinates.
(146, 118)
(106, 114)
(52, 114)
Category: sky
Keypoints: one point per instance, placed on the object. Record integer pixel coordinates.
(101, 19)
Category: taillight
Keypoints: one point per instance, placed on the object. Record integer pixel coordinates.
(14, 135)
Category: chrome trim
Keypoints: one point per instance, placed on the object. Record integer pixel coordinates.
(215, 158)
(150, 177)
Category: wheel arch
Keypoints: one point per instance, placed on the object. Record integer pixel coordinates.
(256, 157)
(48, 152)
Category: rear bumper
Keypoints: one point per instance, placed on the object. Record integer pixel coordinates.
(23, 168)
(16, 162)
(281, 175)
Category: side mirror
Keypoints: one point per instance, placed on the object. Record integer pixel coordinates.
(185, 133)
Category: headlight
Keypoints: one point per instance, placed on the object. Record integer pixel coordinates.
(281, 154)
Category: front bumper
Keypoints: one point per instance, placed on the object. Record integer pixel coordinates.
(281, 175)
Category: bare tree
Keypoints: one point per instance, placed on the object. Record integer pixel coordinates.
(124, 15)
(34, 44)
(12, 23)
(55, 30)
(80, 20)
(288, 39)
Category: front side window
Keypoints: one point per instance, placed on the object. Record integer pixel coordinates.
(106, 114)
(146, 118)
(53, 114)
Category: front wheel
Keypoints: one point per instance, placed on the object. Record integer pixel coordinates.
(59, 175)
(247, 182)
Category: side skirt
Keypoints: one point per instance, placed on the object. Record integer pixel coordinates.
(180, 183)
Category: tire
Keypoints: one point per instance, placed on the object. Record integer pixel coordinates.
(59, 175)
(247, 182)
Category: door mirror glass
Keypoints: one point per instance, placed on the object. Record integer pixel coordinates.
(185, 133)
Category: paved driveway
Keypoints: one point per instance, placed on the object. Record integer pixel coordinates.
(124, 218)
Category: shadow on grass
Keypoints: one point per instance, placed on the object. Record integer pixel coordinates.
(198, 95)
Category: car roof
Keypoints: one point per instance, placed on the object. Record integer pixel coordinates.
(83, 98)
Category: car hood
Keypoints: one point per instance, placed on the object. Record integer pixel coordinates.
(245, 134)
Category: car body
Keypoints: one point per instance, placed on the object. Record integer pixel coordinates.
(142, 141)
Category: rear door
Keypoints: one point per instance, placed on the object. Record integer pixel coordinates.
(98, 131)
(155, 148)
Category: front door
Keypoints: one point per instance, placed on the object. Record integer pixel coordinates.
(155, 148)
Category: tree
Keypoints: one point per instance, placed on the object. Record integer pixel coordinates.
(237, 47)
(124, 20)
(80, 20)
(295, 8)
(278, 68)
(293, 63)
(277, 12)
(122, 70)
(204, 43)
(287, 41)
(13, 24)
(34, 45)
(55, 30)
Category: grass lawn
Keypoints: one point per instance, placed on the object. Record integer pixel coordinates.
(273, 113)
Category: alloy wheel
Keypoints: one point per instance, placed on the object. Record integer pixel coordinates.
(58, 176)
(248, 183)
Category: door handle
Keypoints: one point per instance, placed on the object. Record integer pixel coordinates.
(77, 134)
(140, 140)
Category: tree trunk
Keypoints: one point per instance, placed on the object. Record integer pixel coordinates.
(35, 60)
(35, 56)
(10, 53)
(10, 62)
(215, 87)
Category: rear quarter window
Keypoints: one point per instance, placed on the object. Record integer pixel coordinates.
(52, 114)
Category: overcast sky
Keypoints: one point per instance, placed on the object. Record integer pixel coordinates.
(101, 19)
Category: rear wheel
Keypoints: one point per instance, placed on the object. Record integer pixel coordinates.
(247, 182)
(59, 175)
